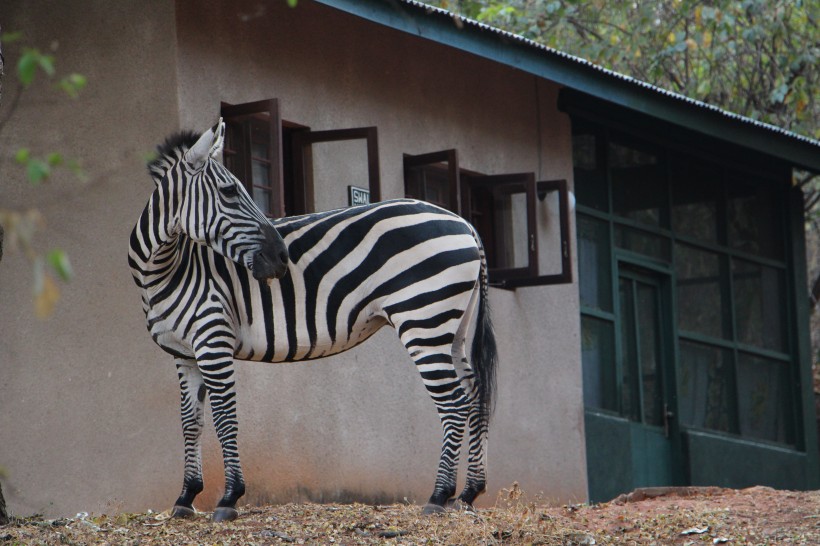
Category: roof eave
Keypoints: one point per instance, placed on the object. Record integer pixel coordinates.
(567, 72)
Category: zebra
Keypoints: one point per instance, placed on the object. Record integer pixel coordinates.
(219, 281)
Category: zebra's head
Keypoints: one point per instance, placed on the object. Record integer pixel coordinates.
(214, 209)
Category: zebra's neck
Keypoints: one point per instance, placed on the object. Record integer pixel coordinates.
(154, 242)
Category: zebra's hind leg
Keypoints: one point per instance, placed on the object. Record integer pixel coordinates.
(192, 398)
(476, 423)
(443, 385)
(476, 455)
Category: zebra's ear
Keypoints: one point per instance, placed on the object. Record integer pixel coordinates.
(198, 154)
(219, 139)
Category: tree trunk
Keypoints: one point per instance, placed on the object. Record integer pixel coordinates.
(4, 517)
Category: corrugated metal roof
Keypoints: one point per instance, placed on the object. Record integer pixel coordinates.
(460, 20)
(439, 25)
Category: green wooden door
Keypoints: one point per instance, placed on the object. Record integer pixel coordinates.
(639, 444)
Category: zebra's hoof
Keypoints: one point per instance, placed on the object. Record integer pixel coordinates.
(224, 513)
(430, 509)
(182, 512)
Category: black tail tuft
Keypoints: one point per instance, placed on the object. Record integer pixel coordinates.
(484, 354)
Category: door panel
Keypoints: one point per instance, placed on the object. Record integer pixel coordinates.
(648, 449)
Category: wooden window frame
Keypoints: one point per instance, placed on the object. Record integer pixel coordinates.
(303, 160)
(258, 109)
(463, 182)
(450, 159)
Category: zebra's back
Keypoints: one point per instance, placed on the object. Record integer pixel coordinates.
(354, 270)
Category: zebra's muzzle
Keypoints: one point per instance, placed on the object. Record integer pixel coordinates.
(266, 266)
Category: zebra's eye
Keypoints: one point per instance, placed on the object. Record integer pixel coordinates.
(229, 191)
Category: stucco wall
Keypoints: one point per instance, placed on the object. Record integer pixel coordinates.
(86, 400)
(88, 407)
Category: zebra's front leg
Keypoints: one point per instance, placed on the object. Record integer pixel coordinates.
(192, 397)
(218, 375)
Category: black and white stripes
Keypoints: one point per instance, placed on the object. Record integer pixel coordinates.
(220, 282)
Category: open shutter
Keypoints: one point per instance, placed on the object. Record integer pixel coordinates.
(503, 210)
(253, 151)
(434, 177)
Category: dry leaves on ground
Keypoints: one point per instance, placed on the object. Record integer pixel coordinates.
(684, 516)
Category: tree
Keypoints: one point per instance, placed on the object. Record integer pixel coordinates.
(18, 227)
(757, 58)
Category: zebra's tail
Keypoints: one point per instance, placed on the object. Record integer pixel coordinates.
(484, 353)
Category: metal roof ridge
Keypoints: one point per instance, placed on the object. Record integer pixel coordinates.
(612, 73)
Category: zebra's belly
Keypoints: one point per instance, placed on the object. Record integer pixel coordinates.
(300, 346)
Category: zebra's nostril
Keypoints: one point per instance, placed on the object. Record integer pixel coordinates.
(283, 257)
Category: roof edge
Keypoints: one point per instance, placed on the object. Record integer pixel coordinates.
(452, 30)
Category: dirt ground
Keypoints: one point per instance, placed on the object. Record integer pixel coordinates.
(682, 516)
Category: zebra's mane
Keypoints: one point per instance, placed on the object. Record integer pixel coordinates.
(170, 152)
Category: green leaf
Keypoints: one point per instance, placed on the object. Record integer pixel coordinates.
(54, 159)
(73, 84)
(292, 3)
(46, 62)
(27, 66)
(22, 156)
(37, 170)
(59, 262)
(10, 37)
(29, 61)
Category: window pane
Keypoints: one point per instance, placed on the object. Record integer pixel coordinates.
(589, 174)
(642, 242)
(259, 150)
(649, 350)
(696, 189)
(705, 396)
(597, 358)
(261, 173)
(759, 304)
(429, 183)
(261, 197)
(699, 299)
(233, 152)
(754, 219)
(630, 381)
(638, 184)
(763, 399)
(511, 230)
(594, 263)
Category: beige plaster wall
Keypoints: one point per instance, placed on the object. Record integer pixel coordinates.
(87, 403)
(88, 406)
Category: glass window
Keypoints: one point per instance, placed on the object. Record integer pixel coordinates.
(763, 399)
(696, 191)
(429, 183)
(754, 218)
(722, 233)
(642, 242)
(598, 361)
(647, 325)
(594, 267)
(589, 171)
(699, 294)
(759, 301)
(638, 184)
(705, 396)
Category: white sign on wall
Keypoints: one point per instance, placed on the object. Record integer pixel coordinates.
(357, 196)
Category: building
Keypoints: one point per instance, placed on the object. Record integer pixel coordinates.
(656, 333)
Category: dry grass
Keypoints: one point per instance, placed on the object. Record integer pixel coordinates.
(685, 517)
